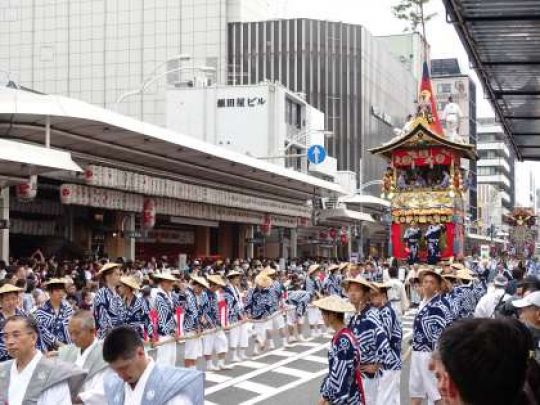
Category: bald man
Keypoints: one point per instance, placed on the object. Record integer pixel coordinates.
(87, 353)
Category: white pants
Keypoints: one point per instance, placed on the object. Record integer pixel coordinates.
(216, 341)
(245, 331)
(389, 393)
(422, 382)
(166, 353)
(292, 317)
(371, 386)
(314, 316)
(260, 330)
(278, 322)
(234, 336)
(193, 348)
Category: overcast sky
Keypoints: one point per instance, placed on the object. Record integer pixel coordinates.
(376, 16)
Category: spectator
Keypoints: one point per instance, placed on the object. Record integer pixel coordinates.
(471, 368)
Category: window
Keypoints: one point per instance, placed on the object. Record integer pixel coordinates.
(444, 88)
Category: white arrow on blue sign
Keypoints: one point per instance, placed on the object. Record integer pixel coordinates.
(316, 154)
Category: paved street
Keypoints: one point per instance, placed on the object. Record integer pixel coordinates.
(284, 375)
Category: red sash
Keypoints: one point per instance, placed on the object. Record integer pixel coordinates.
(357, 375)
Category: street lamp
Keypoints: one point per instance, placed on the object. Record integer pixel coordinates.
(147, 83)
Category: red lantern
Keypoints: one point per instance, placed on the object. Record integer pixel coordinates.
(27, 191)
(149, 214)
(343, 238)
(333, 233)
(323, 235)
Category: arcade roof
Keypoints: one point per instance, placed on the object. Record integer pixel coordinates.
(97, 135)
(502, 39)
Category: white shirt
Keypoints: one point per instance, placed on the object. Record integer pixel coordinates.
(93, 391)
(133, 396)
(58, 394)
(486, 305)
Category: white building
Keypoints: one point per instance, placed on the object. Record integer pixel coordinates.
(264, 120)
(97, 51)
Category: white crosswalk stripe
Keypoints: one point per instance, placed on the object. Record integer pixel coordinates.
(253, 382)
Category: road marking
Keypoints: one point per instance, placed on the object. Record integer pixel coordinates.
(285, 387)
(316, 359)
(284, 353)
(293, 372)
(255, 387)
(308, 344)
(255, 373)
(252, 364)
(209, 403)
(216, 378)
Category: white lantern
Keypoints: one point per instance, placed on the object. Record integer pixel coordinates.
(66, 194)
(149, 214)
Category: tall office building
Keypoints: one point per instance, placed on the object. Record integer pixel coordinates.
(448, 81)
(495, 173)
(101, 50)
(341, 69)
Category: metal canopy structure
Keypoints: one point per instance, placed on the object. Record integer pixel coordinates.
(18, 161)
(502, 38)
(95, 135)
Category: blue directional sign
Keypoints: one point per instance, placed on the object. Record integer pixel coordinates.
(316, 154)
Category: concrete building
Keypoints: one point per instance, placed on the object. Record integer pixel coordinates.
(410, 48)
(363, 89)
(495, 174)
(448, 81)
(264, 120)
(97, 51)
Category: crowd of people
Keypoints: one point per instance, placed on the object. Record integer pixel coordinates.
(87, 327)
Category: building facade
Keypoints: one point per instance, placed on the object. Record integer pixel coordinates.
(101, 50)
(448, 81)
(264, 120)
(495, 174)
(341, 69)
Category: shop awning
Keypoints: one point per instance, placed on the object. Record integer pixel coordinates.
(365, 200)
(344, 216)
(483, 238)
(19, 160)
(97, 135)
(502, 39)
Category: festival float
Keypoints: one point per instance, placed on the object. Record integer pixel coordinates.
(424, 183)
(523, 232)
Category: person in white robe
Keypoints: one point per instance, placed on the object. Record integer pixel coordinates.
(31, 377)
(136, 379)
(86, 353)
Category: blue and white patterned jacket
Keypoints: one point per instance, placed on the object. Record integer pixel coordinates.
(372, 339)
(332, 285)
(339, 387)
(166, 309)
(188, 301)
(259, 303)
(234, 304)
(53, 327)
(208, 310)
(109, 311)
(137, 316)
(430, 321)
(300, 300)
(466, 300)
(392, 328)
